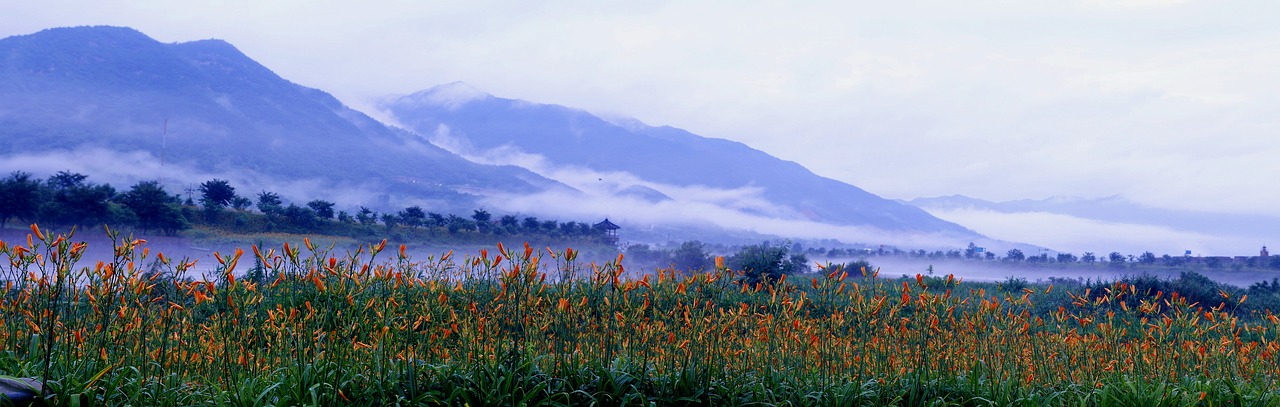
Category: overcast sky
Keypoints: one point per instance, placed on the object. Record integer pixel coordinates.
(1170, 103)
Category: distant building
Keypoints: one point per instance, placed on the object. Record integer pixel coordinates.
(610, 230)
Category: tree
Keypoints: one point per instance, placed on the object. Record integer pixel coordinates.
(413, 216)
(765, 262)
(241, 203)
(481, 216)
(642, 253)
(66, 180)
(1014, 255)
(301, 217)
(1088, 258)
(509, 221)
(530, 224)
(72, 201)
(437, 220)
(691, 256)
(155, 209)
(322, 208)
(216, 192)
(483, 219)
(19, 197)
(390, 220)
(456, 223)
(270, 203)
(1116, 258)
(1147, 258)
(345, 217)
(366, 216)
(1066, 258)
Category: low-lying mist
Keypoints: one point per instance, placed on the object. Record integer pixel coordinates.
(1001, 271)
(1077, 235)
(601, 195)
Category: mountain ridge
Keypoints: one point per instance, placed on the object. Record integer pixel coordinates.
(206, 105)
(656, 154)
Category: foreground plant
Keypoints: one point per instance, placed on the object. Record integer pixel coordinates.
(321, 326)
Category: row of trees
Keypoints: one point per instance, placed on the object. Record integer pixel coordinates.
(67, 198)
(762, 262)
(216, 196)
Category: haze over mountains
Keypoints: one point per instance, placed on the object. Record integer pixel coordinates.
(112, 102)
(1107, 224)
(117, 105)
(626, 162)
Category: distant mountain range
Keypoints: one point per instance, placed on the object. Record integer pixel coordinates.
(185, 112)
(653, 163)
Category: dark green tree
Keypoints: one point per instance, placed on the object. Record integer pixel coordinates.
(1115, 259)
(270, 203)
(154, 208)
(366, 216)
(71, 200)
(413, 216)
(1147, 258)
(241, 203)
(322, 208)
(390, 220)
(482, 219)
(19, 197)
(436, 220)
(301, 217)
(531, 224)
(215, 194)
(765, 262)
(1014, 255)
(1088, 258)
(509, 221)
(691, 256)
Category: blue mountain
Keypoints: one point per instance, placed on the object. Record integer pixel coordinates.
(660, 156)
(204, 106)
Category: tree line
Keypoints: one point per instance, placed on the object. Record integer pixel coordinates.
(66, 199)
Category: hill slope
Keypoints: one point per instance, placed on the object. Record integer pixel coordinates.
(205, 108)
(667, 160)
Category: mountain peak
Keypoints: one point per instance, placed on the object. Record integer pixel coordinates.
(450, 95)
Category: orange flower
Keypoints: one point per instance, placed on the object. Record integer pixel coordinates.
(36, 229)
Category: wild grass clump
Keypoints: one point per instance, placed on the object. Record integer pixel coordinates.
(521, 326)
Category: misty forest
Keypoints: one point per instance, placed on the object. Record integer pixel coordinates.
(179, 225)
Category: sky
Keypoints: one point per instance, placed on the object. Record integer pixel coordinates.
(1169, 103)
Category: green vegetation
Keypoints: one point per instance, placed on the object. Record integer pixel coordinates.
(68, 199)
(520, 326)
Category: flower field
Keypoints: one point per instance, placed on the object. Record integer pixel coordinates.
(308, 325)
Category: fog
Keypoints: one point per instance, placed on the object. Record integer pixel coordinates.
(1078, 235)
(124, 169)
(994, 271)
(599, 195)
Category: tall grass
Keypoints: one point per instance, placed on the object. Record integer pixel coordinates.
(373, 326)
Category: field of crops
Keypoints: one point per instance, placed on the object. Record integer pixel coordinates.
(308, 325)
